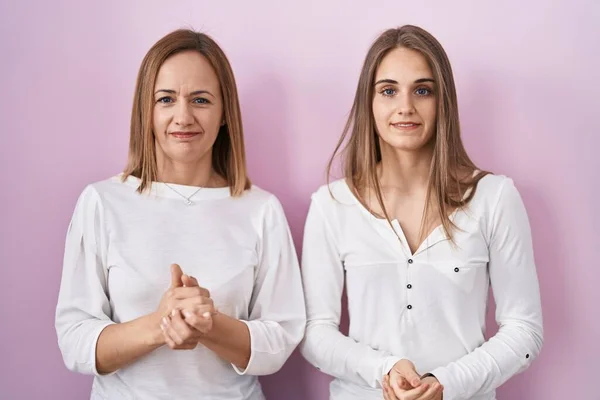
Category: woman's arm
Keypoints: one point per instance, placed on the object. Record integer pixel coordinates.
(230, 339)
(121, 344)
(90, 342)
(324, 346)
(518, 307)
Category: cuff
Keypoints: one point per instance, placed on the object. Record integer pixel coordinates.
(443, 376)
(386, 367)
(252, 352)
(97, 333)
(264, 358)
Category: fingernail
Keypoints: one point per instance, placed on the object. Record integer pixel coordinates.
(174, 313)
(187, 314)
(162, 327)
(206, 315)
(165, 321)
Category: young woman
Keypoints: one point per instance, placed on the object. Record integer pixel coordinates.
(126, 310)
(417, 233)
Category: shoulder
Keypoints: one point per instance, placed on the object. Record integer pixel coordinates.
(92, 193)
(491, 189)
(89, 209)
(262, 205)
(334, 194)
(112, 185)
(496, 197)
(258, 198)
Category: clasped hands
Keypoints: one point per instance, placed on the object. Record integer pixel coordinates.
(404, 383)
(187, 311)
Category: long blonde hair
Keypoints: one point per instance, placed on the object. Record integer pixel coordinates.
(228, 154)
(452, 177)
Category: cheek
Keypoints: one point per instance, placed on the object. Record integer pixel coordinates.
(429, 115)
(381, 113)
(159, 120)
(430, 111)
(209, 119)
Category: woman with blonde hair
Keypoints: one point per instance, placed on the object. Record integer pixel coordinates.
(417, 233)
(127, 313)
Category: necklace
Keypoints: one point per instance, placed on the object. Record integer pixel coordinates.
(187, 199)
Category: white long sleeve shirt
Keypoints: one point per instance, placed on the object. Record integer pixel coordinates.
(119, 247)
(428, 307)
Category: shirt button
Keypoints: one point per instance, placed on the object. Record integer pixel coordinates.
(409, 286)
(526, 355)
(456, 269)
(409, 307)
(410, 260)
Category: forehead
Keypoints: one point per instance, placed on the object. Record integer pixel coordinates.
(403, 65)
(188, 68)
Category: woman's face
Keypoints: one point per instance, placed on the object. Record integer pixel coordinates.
(404, 103)
(188, 108)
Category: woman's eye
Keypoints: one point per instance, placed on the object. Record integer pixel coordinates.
(165, 100)
(423, 91)
(388, 92)
(200, 100)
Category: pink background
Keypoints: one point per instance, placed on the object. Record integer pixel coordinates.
(527, 76)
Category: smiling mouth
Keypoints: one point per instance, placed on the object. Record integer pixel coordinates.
(406, 125)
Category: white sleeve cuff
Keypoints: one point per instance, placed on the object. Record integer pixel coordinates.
(451, 392)
(265, 359)
(388, 364)
(252, 352)
(87, 365)
(94, 345)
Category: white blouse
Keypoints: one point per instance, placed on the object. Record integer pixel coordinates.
(428, 307)
(119, 247)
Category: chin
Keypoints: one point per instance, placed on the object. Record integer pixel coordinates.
(405, 143)
(188, 155)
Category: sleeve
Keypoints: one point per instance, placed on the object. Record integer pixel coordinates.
(518, 307)
(83, 309)
(277, 316)
(324, 346)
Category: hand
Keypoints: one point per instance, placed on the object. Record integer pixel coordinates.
(199, 317)
(184, 294)
(431, 380)
(178, 334)
(403, 383)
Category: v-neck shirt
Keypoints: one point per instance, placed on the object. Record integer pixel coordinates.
(428, 307)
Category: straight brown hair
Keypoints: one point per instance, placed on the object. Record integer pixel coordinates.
(452, 176)
(228, 154)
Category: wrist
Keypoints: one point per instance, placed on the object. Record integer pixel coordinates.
(428, 375)
(213, 334)
(432, 376)
(154, 336)
(389, 364)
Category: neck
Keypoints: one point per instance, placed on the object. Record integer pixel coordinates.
(405, 171)
(196, 173)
